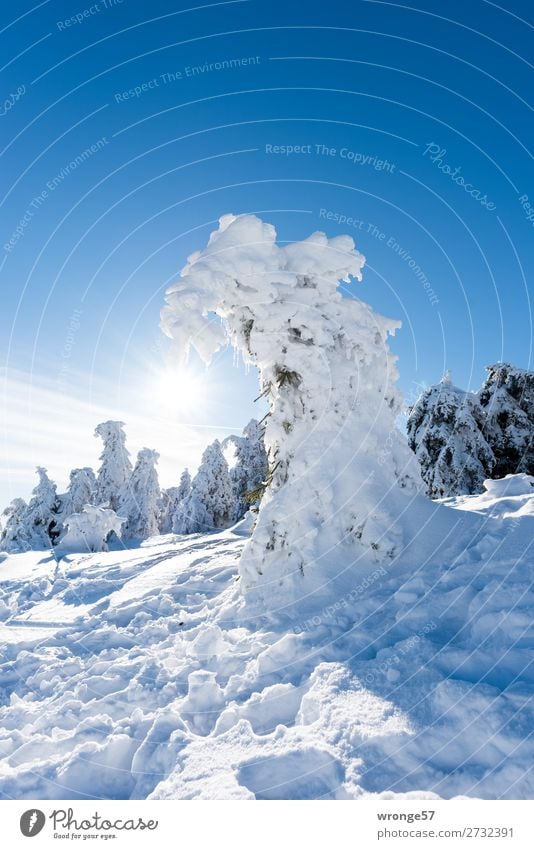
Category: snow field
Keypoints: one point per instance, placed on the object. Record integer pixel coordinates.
(143, 673)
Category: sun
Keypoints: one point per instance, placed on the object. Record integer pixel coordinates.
(179, 390)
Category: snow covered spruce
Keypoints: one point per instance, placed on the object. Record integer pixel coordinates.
(462, 438)
(127, 503)
(328, 374)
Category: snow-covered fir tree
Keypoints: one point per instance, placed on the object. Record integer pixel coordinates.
(141, 498)
(15, 533)
(444, 432)
(182, 494)
(167, 507)
(115, 468)
(171, 499)
(90, 529)
(209, 504)
(249, 472)
(81, 491)
(41, 519)
(462, 438)
(329, 377)
(507, 402)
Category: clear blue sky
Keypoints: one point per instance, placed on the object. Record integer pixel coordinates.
(173, 111)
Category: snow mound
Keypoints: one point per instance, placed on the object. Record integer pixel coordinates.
(522, 484)
(144, 673)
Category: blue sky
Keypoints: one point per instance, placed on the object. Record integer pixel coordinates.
(129, 128)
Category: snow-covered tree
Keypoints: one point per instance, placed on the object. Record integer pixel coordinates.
(507, 402)
(41, 518)
(327, 371)
(462, 438)
(250, 469)
(90, 529)
(210, 501)
(81, 491)
(15, 533)
(116, 467)
(171, 499)
(444, 432)
(167, 507)
(141, 497)
(191, 517)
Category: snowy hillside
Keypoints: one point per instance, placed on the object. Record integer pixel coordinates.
(143, 672)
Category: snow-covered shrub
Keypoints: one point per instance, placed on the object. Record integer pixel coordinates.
(90, 529)
(250, 470)
(209, 504)
(141, 497)
(444, 432)
(327, 371)
(81, 491)
(116, 467)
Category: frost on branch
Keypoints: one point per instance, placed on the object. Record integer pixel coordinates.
(327, 372)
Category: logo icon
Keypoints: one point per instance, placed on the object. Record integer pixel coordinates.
(32, 822)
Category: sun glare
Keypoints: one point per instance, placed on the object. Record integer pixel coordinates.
(179, 390)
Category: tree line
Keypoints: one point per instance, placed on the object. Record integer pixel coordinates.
(127, 501)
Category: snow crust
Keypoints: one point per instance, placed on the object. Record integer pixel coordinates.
(143, 673)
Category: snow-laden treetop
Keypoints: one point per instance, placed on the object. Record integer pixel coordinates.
(327, 371)
(243, 269)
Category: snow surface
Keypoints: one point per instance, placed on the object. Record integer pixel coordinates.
(144, 673)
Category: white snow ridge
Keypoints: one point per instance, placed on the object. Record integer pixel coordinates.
(350, 639)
